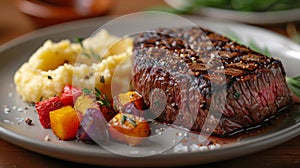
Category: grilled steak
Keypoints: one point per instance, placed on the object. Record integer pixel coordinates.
(203, 81)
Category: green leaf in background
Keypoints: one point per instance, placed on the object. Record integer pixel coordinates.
(210, 2)
(250, 43)
(241, 5)
(294, 85)
(253, 5)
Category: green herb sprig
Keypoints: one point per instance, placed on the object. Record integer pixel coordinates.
(100, 97)
(88, 52)
(294, 85)
(127, 118)
(250, 43)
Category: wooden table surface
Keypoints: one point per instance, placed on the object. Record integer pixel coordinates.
(14, 24)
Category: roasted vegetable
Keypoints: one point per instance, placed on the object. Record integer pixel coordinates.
(84, 102)
(93, 127)
(129, 129)
(130, 102)
(64, 123)
(105, 105)
(44, 107)
(95, 99)
(70, 94)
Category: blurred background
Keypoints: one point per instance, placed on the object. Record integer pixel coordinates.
(18, 17)
(21, 16)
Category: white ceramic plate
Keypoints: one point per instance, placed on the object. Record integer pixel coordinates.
(269, 17)
(14, 129)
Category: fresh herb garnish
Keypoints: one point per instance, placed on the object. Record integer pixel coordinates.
(132, 121)
(80, 41)
(88, 52)
(236, 95)
(294, 84)
(250, 43)
(123, 119)
(100, 97)
(126, 118)
(87, 91)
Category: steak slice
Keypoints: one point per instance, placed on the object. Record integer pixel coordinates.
(197, 79)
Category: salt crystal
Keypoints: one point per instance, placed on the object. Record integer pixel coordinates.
(214, 146)
(194, 147)
(47, 138)
(180, 148)
(6, 121)
(153, 152)
(203, 148)
(134, 152)
(19, 119)
(6, 110)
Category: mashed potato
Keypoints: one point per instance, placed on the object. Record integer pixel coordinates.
(54, 65)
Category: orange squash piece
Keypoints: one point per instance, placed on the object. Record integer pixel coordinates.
(64, 123)
(129, 129)
(134, 97)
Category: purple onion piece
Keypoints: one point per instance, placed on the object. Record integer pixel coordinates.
(93, 127)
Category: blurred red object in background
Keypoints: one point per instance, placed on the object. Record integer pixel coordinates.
(48, 12)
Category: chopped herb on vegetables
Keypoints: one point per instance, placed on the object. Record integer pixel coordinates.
(87, 91)
(132, 121)
(123, 119)
(126, 118)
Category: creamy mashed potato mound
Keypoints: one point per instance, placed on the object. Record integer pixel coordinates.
(54, 65)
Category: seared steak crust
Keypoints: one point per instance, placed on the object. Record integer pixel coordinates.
(202, 76)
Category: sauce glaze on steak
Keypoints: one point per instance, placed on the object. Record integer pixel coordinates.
(205, 76)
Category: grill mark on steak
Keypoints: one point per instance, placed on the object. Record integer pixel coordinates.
(193, 66)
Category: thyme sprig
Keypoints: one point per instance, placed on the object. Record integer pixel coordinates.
(88, 52)
(250, 43)
(294, 84)
(100, 97)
